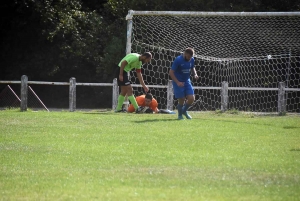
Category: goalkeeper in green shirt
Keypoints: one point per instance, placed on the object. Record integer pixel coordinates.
(130, 62)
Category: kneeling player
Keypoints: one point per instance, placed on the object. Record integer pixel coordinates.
(147, 103)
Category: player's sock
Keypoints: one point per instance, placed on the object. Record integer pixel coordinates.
(120, 102)
(133, 102)
(179, 108)
(184, 111)
(185, 108)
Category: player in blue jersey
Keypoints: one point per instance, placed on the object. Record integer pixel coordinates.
(180, 73)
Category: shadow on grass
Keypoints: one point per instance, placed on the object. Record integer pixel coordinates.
(291, 127)
(154, 120)
(239, 122)
(99, 113)
(295, 149)
(106, 112)
(254, 123)
(110, 113)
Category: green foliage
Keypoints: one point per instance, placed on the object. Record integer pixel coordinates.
(233, 111)
(218, 111)
(65, 39)
(55, 40)
(112, 55)
(77, 31)
(102, 155)
(282, 113)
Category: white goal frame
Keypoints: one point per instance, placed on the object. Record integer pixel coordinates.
(225, 87)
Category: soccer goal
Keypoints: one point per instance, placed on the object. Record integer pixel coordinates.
(247, 61)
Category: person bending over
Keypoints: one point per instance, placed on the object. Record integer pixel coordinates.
(128, 63)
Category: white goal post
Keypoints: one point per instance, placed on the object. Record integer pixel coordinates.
(248, 61)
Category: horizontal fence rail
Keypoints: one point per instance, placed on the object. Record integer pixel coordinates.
(57, 83)
(170, 102)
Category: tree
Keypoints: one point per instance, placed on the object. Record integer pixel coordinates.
(51, 39)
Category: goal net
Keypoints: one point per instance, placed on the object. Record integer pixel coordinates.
(252, 52)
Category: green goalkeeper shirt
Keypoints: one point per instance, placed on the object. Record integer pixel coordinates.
(133, 62)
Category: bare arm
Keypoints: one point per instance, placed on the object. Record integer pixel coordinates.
(195, 74)
(140, 77)
(173, 77)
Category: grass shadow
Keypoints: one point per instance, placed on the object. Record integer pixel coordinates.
(238, 122)
(104, 111)
(154, 120)
(298, 149)
(99, 113)
(291, 127)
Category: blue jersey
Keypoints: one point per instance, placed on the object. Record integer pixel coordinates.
(182, 68)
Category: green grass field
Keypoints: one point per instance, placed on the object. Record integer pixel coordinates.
(102, 155)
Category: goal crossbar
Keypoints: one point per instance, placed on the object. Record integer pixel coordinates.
(190, 13)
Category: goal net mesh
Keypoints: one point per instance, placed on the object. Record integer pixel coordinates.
(252, 53)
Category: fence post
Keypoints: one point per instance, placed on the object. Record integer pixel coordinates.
(170, 95)
(72, 94)
(224, 96)
(115, 94)
(281, 99)
(24, 92)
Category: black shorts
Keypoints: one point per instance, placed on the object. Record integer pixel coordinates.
(125, 81)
